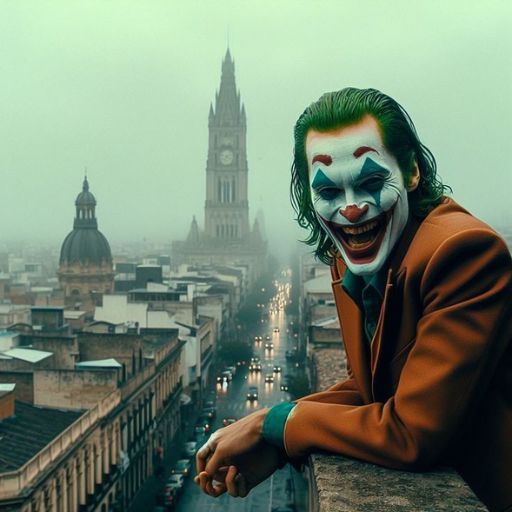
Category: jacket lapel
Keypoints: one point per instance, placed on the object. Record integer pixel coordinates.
(376, 346)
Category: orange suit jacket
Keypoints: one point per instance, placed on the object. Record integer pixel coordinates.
(435, 386)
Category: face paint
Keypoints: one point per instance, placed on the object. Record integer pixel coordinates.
(358, 193)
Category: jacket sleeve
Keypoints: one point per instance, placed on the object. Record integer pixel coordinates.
(462, 333)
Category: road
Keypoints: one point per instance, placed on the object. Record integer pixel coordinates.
(232, 403)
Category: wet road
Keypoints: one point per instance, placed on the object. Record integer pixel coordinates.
(232, 403)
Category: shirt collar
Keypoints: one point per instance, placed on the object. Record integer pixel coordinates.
(354, 285)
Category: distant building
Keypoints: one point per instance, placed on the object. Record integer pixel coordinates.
(85, 266)
(227, 238)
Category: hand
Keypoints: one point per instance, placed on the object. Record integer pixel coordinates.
(236, 458)
(254, 467)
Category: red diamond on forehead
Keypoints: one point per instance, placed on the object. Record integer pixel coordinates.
(362, 150)
(323, 159)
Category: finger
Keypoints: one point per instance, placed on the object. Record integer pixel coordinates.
(203, 480)
(202, 455)
(220, 476)
(215, 488)
(231, 482)
(214, 463)
(243, 487)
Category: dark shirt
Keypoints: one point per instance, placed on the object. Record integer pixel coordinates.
(367, 292)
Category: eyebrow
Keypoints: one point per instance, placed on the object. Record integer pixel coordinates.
(323, 159)
(362, 150)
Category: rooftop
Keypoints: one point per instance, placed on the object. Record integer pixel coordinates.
(29, 431)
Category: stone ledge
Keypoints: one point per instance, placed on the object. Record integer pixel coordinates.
(339, 484)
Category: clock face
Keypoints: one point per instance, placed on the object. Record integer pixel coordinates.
(226, 156)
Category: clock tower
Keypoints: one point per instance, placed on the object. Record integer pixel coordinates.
(226, 207)
(227, 238)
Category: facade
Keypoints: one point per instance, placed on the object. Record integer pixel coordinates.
(121, 416)
(85, 265)
(227, 238)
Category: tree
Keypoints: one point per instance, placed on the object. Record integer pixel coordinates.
(298, 386)
(230, 352)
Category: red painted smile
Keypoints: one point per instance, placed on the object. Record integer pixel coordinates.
(361, 241)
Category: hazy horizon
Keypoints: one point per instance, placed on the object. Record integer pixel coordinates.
(124, 89)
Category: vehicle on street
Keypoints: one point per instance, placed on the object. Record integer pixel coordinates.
(284, 387)
(209, 412)
(228, 421)
(255, 359)
(225, 376)
(190, 448)
(269, 378)
(267, 337)
(276, 329)
(258, 339)
(255, 367)
(269, 345)
(204, 423)
(277, 369)
(252, 394)
(231, 369)
(182, 467)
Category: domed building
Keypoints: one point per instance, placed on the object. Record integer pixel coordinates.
(85, 265)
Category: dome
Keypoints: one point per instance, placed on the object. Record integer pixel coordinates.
(85, 246)
(85, 198)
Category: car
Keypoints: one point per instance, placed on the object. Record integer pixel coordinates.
(166, 498)
(255, 359)
(204, 423)
(228, 421)
(190, 448)
(269, 378)
(269, 345)
(267, 337)
(231, 369)
(175, 482)
(276, 329)
(258, 339)
(209, 412)
(225, 376)
(255, 367)
(284, 387)
(182, 467)
(252, 394)
(277, 369)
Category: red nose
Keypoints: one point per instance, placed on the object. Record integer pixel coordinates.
(353, 213)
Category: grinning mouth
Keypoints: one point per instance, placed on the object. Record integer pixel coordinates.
(362, 241)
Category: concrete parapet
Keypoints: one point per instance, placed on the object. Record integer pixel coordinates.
(339, 484)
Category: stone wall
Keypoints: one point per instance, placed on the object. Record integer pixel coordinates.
(75, 390)
(126, 349)
(339, 484)
(24, 390)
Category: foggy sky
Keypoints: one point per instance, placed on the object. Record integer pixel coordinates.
(123, 88)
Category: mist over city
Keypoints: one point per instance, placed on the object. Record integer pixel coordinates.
(154, 284)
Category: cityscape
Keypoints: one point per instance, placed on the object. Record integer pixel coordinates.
(127, 342)
(114, 368)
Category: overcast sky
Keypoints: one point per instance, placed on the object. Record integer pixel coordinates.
(123, 88)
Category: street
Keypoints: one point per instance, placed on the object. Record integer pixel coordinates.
(231, 402)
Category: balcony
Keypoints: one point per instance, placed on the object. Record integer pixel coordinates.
(339, 484)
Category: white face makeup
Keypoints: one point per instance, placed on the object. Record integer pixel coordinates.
(358, 193)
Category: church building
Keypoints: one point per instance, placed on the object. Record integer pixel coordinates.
(85, 267)
(227, 238)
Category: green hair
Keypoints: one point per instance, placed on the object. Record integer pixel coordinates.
(349, 106)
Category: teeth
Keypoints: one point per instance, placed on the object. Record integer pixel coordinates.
(356, 230)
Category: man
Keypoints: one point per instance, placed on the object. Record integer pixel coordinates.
(423, 292)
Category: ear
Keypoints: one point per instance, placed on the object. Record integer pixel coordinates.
(414, 178)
